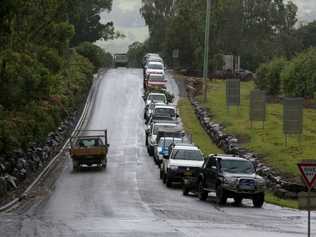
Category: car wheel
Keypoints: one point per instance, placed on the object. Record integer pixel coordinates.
(221, 197)
(238, 200)
(76, 166)
(164, 177)
(168, 182)
(258, 200)
(202, 193)
(161, 174)
(185, 191)
(151, 151)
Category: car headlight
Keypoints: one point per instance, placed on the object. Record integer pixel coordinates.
(172, 167)
(231, 181)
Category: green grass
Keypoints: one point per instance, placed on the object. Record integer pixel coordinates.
(272, 199)
(192, 126)
(269, 142)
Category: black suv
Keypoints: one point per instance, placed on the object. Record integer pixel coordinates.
(230, 177)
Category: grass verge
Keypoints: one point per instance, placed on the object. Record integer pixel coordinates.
(272, 199)
(270, 141)
(193, 126)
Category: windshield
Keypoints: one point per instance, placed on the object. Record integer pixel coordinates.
(188, 155)
(157, 98)
(168, 142)
(237, 166)
(156, 127)
(155, 66)
(167, 111)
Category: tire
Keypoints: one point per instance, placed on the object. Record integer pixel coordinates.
(104, 164)
(161, 174)
(185, 191)
(221, 197)
(201, 192)
(258, 200)
(168, 182)
(238, 200)
(164, 178)
(150, 150)
(76, 166)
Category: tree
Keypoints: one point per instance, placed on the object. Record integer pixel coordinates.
(299, 76)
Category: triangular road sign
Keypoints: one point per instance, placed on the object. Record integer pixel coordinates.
(308, 170)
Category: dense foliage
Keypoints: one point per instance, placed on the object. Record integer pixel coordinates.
(254, 29)
(268, 76)
(97, 56)
(299, 76)
(42, 79)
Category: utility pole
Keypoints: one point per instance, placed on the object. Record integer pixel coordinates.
(206, 47)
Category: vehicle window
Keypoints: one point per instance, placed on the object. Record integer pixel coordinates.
(211, 162)
(155, 66)
(90, 142)
(237, 166)
(157, 98)
(168, 142)
(168, 111)
(188, 155)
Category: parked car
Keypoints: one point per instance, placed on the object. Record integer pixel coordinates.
(167, 110)
(230, 177)
(155, 81)
(156, 98)
(156, 68)
(162, 148)
(184, 160)
(152, 134)
(149, 109)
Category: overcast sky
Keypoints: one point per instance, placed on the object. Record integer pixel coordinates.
(127, 19)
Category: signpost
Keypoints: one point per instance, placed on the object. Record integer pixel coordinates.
(257, 110)
(292, 116)
(306, 201)
(232, 92)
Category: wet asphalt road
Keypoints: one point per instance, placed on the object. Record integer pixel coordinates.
(128, 199)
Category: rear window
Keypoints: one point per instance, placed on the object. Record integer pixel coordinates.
(188, 155)
(155, 66)
(157, 98)
(167, 111)
(168, 142)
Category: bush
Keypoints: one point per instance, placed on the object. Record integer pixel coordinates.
(97, 56)
(299, 77)
(268, 76)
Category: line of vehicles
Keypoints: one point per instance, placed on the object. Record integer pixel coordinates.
(180, 161)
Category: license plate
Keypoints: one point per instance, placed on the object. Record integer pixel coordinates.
(188, 173)
(247, 185)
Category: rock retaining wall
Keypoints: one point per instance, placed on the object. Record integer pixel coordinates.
(19, 168)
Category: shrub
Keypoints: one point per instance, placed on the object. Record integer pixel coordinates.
(268, 76)
(299, 77)
(97, 56)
